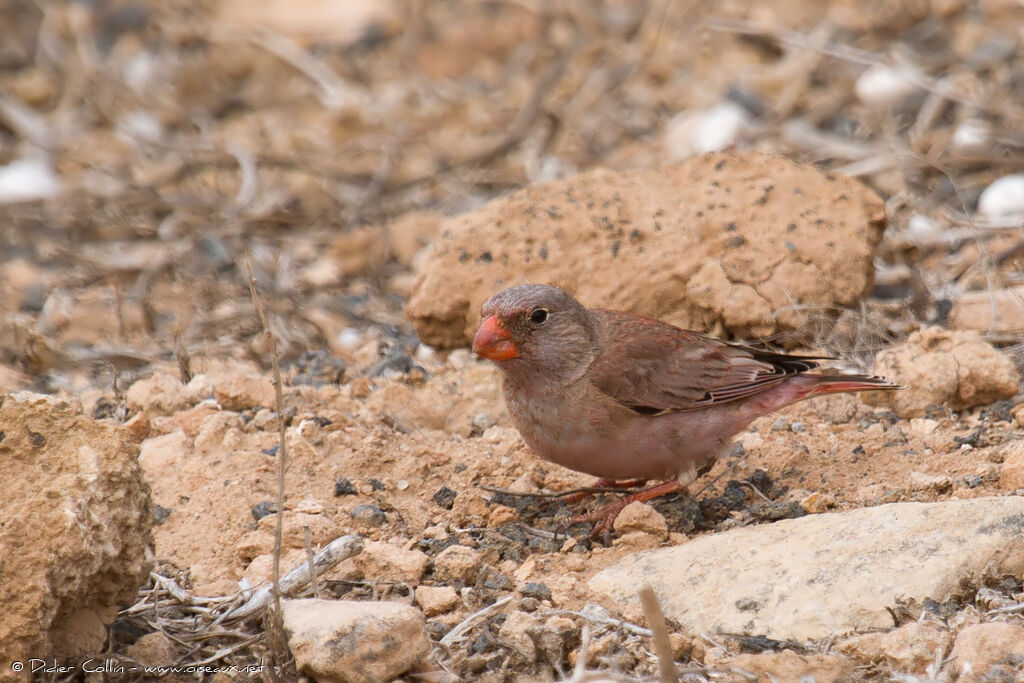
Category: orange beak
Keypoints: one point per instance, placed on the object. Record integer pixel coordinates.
(494, 342)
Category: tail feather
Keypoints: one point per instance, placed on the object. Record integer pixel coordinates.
(834, 384)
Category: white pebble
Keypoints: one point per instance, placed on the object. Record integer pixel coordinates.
(401, 484)
(920, 226)
(139, 125)
(884, 86)
(971, 134)
(27, 180)
(425, 354)
(1004, 198)
(690, 133)
(350, 338)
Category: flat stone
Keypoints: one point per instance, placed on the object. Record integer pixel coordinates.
(827, 574)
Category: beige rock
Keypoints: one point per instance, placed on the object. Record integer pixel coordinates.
(381, 560)
(470, 508)
(1018, 414)
(158, 394)
(789, 666)
(240, 392)
(153, 649)
(435, 600)
(500, 515)
(220, 432)
(76, 530)
(353, 641)
(940, 367)
(742, 240)
(519, 631)
(828, 574)
(457, 563)
(974, 311)
(639, 516)
(817, 502)
(980, 647)
(921, 481)
(322, 529)
(1011, 477)
(911, 648)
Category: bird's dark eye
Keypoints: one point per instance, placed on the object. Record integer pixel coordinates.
(539, 316)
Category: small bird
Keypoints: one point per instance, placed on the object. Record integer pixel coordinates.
(621, 396)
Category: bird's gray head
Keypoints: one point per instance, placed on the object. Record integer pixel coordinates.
(536, 329)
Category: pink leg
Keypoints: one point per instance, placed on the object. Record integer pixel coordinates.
(605, 517)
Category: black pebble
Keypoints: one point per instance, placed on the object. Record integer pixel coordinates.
(377, 485)
(444, 497)
(261, 510)
(272, 451)
(535, 589)
(344, 487)
(160, 513)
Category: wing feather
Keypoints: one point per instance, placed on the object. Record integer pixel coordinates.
(651, 366)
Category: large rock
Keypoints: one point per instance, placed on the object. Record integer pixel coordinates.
(828, 574)
(747, 241)
(352, 641)
(75, 528)
(943, 368)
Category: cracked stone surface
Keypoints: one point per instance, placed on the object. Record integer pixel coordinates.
(828, 574)
(742, 243)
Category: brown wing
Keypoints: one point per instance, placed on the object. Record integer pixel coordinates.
(651, 366)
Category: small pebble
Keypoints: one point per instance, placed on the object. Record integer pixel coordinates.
(444, 497)
(797, 426)
(350, 338)
(883, 86)
(344, 487)
(401, 484)
(535, 589)
(781, 424)
(261, 510)
(973, 481)
(971, 134)
(1003, 199)
(920, 226)
(371, 514)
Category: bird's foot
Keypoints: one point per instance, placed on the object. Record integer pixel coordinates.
(601, 486)
(605, 517)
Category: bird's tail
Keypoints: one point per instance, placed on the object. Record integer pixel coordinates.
(819, 385)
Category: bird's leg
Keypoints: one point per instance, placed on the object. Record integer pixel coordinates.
(605, 517)
(602, 484)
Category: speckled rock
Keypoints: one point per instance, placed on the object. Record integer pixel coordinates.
(352, 641)
(744, 241)
(955, 369)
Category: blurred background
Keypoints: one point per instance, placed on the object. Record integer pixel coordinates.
(145, 145)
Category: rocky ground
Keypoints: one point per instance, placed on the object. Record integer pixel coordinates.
(829, 176)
